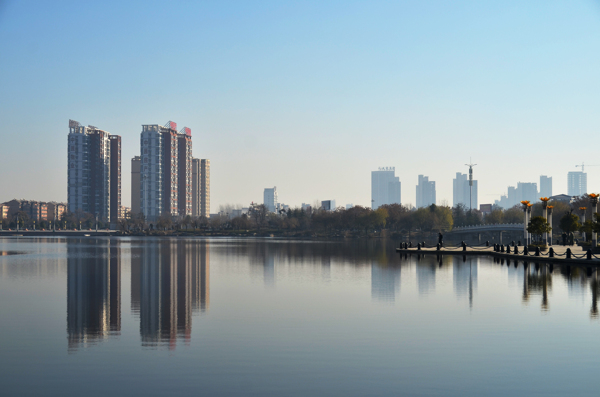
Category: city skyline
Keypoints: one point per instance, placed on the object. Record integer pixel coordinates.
(452, 81)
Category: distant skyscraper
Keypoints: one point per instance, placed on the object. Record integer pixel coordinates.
(385, 187)
(545, 186)
(136, 188)
(94, 172)
(577, 183)
(328, 205)
(166, 173)
(527, 191)
(524, 191)
(461, 191)
(270, 199)
(425, 192)
(201, 188)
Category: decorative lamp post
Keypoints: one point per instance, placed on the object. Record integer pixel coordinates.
(550, 222)
(582, 209)
(529, 219)
(544, 201)
(594, 202)
(525, 204)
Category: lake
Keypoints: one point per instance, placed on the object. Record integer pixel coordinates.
(267, 317)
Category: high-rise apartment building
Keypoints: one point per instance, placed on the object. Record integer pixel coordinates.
(462, 192)
(576, 183)
(545, 186)
(115, 177)
(94, 171)
(205, 188)
(328, 205)
(385, 187)
(425, 192)
(136, 189)
(527, 191)
(201, 188)
(184, 172)
(524, 191)
(164, 171)
(270, 198)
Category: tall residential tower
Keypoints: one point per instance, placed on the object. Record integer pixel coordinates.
(201, 188)
(94, 172)
(165, 171)
(425, 192)
(577, 183)
(385, 187)
(462, 193)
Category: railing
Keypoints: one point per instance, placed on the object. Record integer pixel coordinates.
(494, 226)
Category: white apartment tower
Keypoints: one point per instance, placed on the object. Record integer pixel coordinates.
(270, 199)
(385, 187)
(425, 192)
(462, 193)
(545, 186)
(576, 183)
(94, 159)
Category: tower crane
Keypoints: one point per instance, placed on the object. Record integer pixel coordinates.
(582, 165)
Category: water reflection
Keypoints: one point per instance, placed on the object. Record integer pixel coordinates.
(385, 282)
(173, 283)
(464, 276)
(426, 276)
(93, 291)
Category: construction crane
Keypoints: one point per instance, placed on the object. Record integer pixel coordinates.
(583, 164)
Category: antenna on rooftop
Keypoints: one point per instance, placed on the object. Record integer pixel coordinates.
(471, 165)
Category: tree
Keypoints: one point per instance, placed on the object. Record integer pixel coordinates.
(496, 216)
(538, 226)
(569, 223)
(258, 213)
(443, 220)
(514, 215)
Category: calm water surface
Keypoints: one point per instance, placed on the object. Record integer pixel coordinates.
(266, 317)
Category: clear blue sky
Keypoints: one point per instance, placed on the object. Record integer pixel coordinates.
(307, 96)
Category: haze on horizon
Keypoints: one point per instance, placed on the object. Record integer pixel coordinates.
(307, 96)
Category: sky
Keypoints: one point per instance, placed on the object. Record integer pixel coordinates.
(307, 96)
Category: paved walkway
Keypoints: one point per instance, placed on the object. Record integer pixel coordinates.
(559, 252)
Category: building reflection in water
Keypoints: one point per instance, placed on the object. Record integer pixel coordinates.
(173, 284)
(465, 277)
(93, 291)
(262, 259)
(385, 282)
(426, 277)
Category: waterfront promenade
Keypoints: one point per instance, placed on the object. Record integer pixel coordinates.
(559, 255)
(57, 233)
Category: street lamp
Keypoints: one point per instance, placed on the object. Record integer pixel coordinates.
(544, 201)
(582, 209)
(525, 207)
(594, 202)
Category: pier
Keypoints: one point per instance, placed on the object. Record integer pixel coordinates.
(554, 254)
